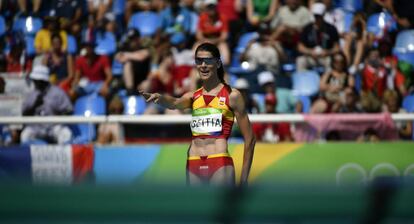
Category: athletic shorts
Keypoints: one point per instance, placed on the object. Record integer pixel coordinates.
(204, 167)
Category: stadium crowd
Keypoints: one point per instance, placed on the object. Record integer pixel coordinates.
(285, 56)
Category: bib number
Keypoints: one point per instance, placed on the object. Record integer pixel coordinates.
(206, 120)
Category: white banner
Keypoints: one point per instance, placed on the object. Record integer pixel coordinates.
(51, 164)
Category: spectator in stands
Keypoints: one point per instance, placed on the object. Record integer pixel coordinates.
(16, 61)
(318, 41)
(213, 28)
(332, 86)
(43, 38)
(233, 10)
(391, 104)
(60, 63)
(99, 8)
(377, 76)
(355, 43)
(272, 132)
(176, 67)
(136, 60)
(351, 102)
(335, 16)
(175, 18)
(46, 100)
(264, 53)
(258, 11)
(24, 7)
(69, 13)
(112, 133)
(92, 73)
(173, 74)
(290, 20)
(395, 79)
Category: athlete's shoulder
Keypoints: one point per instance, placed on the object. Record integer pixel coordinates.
(196, 93)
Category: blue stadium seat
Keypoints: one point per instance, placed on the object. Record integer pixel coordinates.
(30, 48)
(236, 65)
(29, 25)
(87, 106)
(380, 22)
(2, 25)
(244, 40)
(348, 19)
(408, 103)
(404, 46)
(118, 7)
(260, 100)
(134, 105)
(72, 45)
(194, 22)
(146, 22)
(305, 83)
(306, 103)
(117, 68)
(358, 82)
(350, 5)
(404, 41)
(105, 44)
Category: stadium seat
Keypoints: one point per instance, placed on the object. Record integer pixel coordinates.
(72, 45)
(237, 67)
(358, 82)
(29, 42)
(408, 103)
(350, 5)
(381, 22)
(404, 46)
(118, 7)
(146, 22)
(117, 68)
(348, 19)
(106, 44)
(2, 25)
(305, 83)
(244, 41)
(306, 103)
(87, 106)
(194, 22)
(29, 25)
(134, 105)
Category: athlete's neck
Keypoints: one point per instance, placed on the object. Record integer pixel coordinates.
(211, 84)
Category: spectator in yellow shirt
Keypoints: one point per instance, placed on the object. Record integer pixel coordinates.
(42, 40)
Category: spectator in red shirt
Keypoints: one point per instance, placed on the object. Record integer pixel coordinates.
(213, 28)
(381, 73)
(92, 73)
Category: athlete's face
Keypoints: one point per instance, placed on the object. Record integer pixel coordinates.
(206, 65)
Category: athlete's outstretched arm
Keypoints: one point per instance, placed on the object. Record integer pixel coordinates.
(167, 101)
(239, 108)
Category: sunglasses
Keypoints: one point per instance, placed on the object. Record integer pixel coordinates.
(208, 61)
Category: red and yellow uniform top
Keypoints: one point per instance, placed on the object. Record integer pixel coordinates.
(212, 116)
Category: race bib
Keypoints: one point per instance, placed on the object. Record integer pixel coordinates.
(206, 121)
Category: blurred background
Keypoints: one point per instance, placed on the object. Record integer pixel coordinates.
(329, 86)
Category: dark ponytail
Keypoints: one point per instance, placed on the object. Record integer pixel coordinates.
(216, 53)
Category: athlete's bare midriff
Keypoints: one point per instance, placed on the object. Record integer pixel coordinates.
(207, 146)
